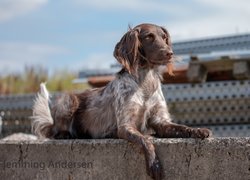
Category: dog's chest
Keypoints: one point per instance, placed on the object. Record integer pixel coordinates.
(147, 89)
(149, 86)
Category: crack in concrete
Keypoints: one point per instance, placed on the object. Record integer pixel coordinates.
(125, 152)
(188, 161)
(72, 145)
(20, 153)
(23, 154)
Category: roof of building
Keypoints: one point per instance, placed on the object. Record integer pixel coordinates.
(208, 45)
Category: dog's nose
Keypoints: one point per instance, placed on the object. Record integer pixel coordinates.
(170, 53)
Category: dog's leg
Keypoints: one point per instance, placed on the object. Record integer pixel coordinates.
(161, 122)
(152, 162)
(63, 112)
(172, 130)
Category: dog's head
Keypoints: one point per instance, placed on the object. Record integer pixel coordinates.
(145, 45)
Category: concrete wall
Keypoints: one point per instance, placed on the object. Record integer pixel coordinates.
(187, 159)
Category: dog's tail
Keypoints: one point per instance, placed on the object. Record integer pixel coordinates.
(42, 123)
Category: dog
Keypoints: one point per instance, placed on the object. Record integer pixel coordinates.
(130, 107)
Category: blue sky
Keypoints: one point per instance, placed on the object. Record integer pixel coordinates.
(79, 34)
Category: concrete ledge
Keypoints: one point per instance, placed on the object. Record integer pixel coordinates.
(220, 158)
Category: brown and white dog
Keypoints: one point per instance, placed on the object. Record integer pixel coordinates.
(128, 107)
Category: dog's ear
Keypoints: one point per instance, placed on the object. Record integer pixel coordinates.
(126, 51)
(168, 40)
(170, 66)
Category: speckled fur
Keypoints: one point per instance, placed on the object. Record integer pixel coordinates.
(129, 107)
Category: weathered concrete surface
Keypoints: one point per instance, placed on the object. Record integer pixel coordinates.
(187, 159)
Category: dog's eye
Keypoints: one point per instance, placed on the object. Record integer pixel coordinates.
(149, 37)
(164, 37)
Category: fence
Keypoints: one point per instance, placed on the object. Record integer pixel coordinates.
(15, 113)
(224, 107)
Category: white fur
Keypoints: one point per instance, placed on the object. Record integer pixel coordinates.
(41, 112)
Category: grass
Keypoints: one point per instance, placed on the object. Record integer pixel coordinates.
(29, 80)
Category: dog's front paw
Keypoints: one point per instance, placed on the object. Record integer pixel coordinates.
(154, 170)
(201, 133)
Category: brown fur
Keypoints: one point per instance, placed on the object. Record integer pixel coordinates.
(129, 107)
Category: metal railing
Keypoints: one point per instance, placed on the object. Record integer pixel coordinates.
(222, 106)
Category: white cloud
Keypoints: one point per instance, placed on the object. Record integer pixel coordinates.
(226, 4)
(10, 9)
(96, 61)
(228, 17)
(219, 17)
(133, 5)
(14, 55)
